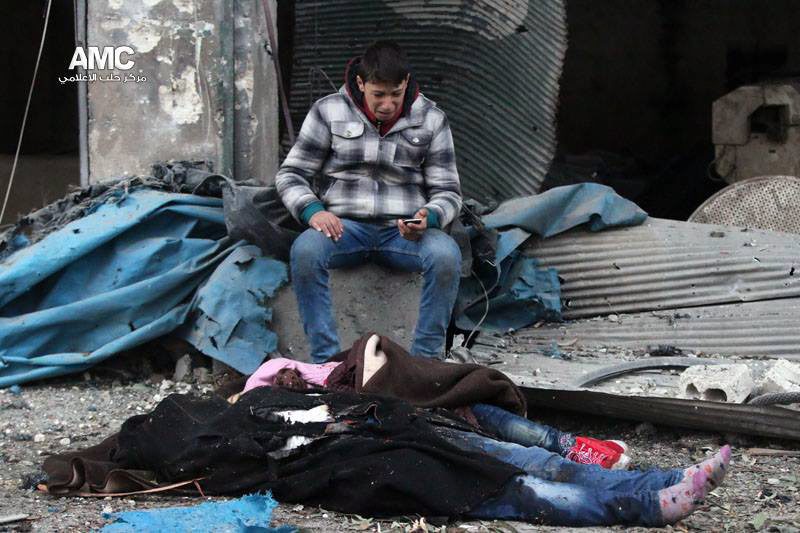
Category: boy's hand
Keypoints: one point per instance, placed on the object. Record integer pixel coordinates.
(327, 223)
(413, 232)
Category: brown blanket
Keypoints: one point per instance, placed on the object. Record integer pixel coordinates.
(93, 470)
(425, 382)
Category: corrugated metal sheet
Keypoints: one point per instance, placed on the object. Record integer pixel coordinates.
(768, 328)
(667, 264)
(492, 66)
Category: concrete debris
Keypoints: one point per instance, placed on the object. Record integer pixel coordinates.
(719, 383)
(645, 429)
(783, 376)
(461, 354)
(8, 519)
(183, 369)
(755, 131)
(202, 375)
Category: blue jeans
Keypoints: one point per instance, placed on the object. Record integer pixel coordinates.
(436, 255)
(512, 428)
(559, 492)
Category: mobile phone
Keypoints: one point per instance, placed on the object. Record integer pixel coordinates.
(412, 221)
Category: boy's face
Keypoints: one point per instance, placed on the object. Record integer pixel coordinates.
(383, 99)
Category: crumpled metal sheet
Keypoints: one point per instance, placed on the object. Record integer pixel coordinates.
(492, 66)
(753, 329)
(668, 264)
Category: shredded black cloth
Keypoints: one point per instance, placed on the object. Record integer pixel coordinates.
(176, 177)
(378, 457)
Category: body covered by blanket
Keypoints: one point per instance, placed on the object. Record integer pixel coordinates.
(346, 452)
(376, 365)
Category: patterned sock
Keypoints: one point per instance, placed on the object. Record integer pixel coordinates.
(679, 501)
(566, 441)
(716, 467)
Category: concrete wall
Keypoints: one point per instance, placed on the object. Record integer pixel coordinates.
(197, 103)
(256, 141)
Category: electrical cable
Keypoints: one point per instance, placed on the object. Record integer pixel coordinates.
(25, 115)
(485, 312)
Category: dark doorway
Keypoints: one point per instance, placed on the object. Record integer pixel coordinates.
(639, 80)
(49, 161)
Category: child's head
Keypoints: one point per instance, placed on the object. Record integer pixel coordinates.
(289, 378)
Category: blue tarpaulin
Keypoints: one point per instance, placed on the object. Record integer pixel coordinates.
(248, 514)
(557, 210)
(127, 273)
(521, 294)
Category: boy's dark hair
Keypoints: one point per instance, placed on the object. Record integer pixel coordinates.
(383, 62)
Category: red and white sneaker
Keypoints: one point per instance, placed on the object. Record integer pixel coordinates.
(611, 454)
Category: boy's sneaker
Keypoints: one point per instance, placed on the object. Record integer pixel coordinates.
(611, 454)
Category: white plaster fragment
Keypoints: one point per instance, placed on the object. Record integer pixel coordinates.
(320, 413)
(783, 376)
(115, 23)
(252, 127)
(151, 3)
(182, 100)
(295, 441)
(145, 35)
(184, 6)
(722, 383)
(115, 4)
(164, 59)
(202, 27)
(245, 83)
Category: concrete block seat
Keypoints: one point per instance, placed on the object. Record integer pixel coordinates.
(365, 298)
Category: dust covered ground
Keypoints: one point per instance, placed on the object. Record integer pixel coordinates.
(61, 414)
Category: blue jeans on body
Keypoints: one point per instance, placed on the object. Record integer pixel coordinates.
(512, 428)
(559, 492)
(436, 255)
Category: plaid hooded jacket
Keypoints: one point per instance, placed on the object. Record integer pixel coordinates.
(359, 174)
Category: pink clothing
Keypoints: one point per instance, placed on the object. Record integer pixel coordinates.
(314, 374)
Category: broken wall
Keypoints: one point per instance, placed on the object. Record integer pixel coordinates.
(209, 92)
(640, 76)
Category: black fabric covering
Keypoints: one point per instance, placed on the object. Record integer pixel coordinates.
(253, 211)
(380, 457)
